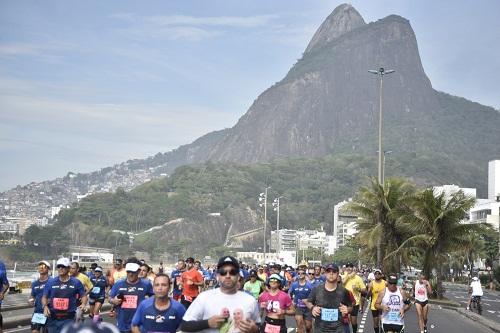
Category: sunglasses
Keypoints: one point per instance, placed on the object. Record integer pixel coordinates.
(302, 273)
(232, 272)
(61, 266)
(273, 280)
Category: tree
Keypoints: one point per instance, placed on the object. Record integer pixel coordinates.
(378, 228)
(435, 222)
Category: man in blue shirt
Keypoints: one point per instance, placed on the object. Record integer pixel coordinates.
(177, 280)
(128, 294)
(38, 320)
(4, 288)
(299, 291)
(158, 313)
(60, 296)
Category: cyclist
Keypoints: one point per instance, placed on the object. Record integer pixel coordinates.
(393, 303)
(422, 289)
(475, 290)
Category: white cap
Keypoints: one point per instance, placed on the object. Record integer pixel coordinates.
(98, 269)
(44, 262)
(63, 262)
(474, 278)
(132, 267)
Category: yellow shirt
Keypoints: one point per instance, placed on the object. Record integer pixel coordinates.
(377, 287)
(119, 275)
(354, 283)
(84, 279)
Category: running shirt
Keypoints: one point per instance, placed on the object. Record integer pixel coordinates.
(98, 287)
(273, 302)
(300, 292)
(420, 292)
(133, 294)
(62, 296)
(477, 290)
(394, 301)
(330, 318)
(119, 275)
(84, 279)
(150, 319)
(37, 293)
(254, 288)
(354, 283)
(377, 287)
(176, 278)
(318, 280)
(3, 277)
(191, 291)
(212, 302)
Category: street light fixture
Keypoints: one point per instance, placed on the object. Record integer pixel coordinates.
(380, 72)
(276, 205)
(263, 202)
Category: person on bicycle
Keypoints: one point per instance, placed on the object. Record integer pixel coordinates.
(475, 290)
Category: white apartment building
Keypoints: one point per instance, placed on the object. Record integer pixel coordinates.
(344, 224)
(493, 179)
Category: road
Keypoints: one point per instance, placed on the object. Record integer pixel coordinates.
(440, 321)
(490, 300)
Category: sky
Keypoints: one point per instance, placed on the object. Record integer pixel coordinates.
(88, 84)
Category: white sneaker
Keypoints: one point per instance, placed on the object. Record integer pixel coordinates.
(467, 308)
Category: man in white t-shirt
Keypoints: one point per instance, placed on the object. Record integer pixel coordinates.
(475, 289)
(224, 309)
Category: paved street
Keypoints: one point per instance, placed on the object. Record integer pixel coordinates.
(440, 321)
(490, 300)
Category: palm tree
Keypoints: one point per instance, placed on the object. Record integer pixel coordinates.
(435, 221)
(379, 232)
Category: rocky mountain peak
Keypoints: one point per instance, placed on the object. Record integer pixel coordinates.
(343, 19)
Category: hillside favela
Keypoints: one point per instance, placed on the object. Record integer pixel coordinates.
(250, 167)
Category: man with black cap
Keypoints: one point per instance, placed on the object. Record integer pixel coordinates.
(224, 309)
(393, 303)
(329, 302)
(354, 283)
(191, 282)
(128, 294)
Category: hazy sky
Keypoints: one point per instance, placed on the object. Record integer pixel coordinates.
(87, 84)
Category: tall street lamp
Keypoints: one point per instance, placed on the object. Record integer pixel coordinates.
(263, 202)
(386, 152)
(380, 72)
(276, 205)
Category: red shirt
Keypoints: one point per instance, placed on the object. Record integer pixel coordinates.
(195, 276)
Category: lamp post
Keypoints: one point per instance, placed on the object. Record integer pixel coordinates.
(380, 72)
(386, 152)
(263, 202)
(276, 205)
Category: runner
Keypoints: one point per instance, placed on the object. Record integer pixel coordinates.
(422, 289)
(4, 288)
(128, 294)
(276, 304)
(74, 271)
(300, 291)
(328, 302)
(177, 280)
(254, 285)
(60, 296)
(262, 274)
(97, 294)
(159, 313)
(90, 273)
(354, 283)
(191, 281)
(318, 278)
(224, 309)
(38, 320)
(119, 272)
(375, 287)
(393, 304)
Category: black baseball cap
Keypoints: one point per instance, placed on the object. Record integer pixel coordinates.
(228, 260)
(349, 264)
(333, 267)
(392, 279)
(190, 259)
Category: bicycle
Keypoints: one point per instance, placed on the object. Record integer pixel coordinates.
(476, 304)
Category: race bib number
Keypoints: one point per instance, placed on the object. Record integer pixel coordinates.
(39, 318)
(421, 291)
(61, 304)
(272, 328)
(393, 316)
(329, 314)
(96, 290)
(129, 302)
(301, 304)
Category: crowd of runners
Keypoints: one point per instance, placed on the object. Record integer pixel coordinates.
(227, 297)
